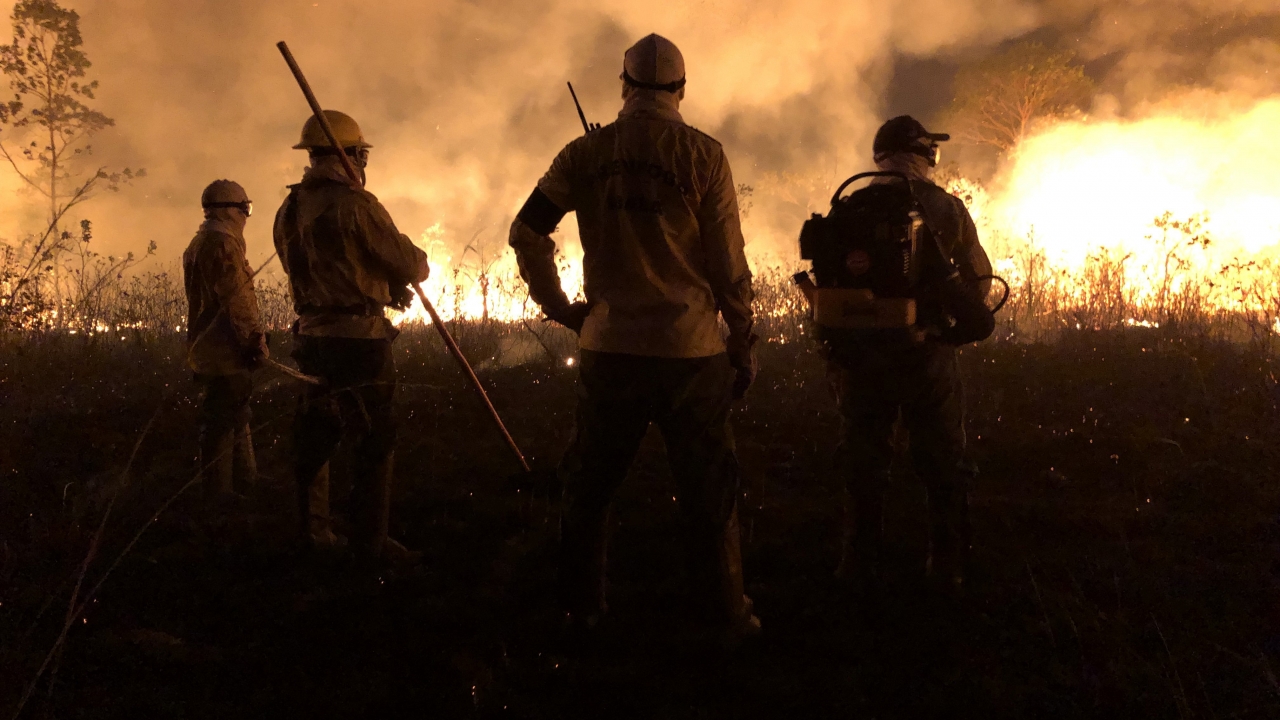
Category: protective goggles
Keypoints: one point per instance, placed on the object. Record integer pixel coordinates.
(245, 207)
(931, 152)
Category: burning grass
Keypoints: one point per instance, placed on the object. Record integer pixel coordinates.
(1236, 301)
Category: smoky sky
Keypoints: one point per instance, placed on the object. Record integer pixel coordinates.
(466, 105)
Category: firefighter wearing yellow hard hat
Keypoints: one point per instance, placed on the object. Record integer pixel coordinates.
(344, 128)
(225, 337)
(346, 263)
(657, 213)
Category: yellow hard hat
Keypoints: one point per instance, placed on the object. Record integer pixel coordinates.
(344, 128)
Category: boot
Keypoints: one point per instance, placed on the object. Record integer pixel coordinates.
(371, 507)
(216, 464)
(737, 611)
(393, 553)
(738, 608)
(245, 474)
(372, 519)
(863, 539)
(313, 511)
(583, 560)
(743, 629)
(714, 565)
(948, 538)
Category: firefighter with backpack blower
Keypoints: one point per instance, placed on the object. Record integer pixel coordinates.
(899, 282)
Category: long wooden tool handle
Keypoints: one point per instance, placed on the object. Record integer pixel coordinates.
(471, 374)
(318, 112)
(295, 374)
(426, 304)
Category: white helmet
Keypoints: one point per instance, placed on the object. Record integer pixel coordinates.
(226, 194)
(654, 63)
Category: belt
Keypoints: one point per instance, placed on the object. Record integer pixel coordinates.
(358, 310)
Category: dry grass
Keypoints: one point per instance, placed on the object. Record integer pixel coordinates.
(1123, 527)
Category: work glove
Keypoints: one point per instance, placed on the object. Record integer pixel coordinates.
(572, 316)
(401, 297)
(424, 270)
(256, 356)
(742, 357)
(974, 322)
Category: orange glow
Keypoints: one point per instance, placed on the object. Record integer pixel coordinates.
(478, 285)
(1185, 198)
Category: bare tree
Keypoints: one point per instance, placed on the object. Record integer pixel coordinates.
(999, 97)
(49, 119)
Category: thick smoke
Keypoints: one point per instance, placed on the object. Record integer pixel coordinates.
(1151, 48)
(465, 101)
(466, 105)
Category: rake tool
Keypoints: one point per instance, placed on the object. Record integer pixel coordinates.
(436, 322)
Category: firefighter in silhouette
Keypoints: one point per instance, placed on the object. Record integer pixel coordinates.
(346, 263)
(225, 339)
(901, 283)
(663, 260)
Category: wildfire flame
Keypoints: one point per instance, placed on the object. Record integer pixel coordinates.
(1176, 201)
(1081, 186)
(1178, 198)
(483, 285)
(1181, 198)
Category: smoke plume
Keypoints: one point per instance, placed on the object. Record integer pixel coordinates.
(465, 103)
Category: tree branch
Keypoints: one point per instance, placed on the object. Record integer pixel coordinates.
(5, 151)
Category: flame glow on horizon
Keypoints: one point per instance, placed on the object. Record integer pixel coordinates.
(1072, 191)
(483, 284)
(1083, 186)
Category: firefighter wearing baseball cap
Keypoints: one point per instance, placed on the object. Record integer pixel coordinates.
(225, 337)
(876, 382)
(346, 263)
(663, 259)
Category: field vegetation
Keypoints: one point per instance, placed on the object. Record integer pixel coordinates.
(1125, 542)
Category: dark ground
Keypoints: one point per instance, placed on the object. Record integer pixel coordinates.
(1126, 545)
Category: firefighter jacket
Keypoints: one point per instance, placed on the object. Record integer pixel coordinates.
(223, 326)
(662, 246)
(343, 255)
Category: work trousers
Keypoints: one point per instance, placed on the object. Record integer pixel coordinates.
(227, 462)
(354, 402)
(874, 384)
(618, 397)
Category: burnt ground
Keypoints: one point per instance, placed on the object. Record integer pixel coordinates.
(1126, 542)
